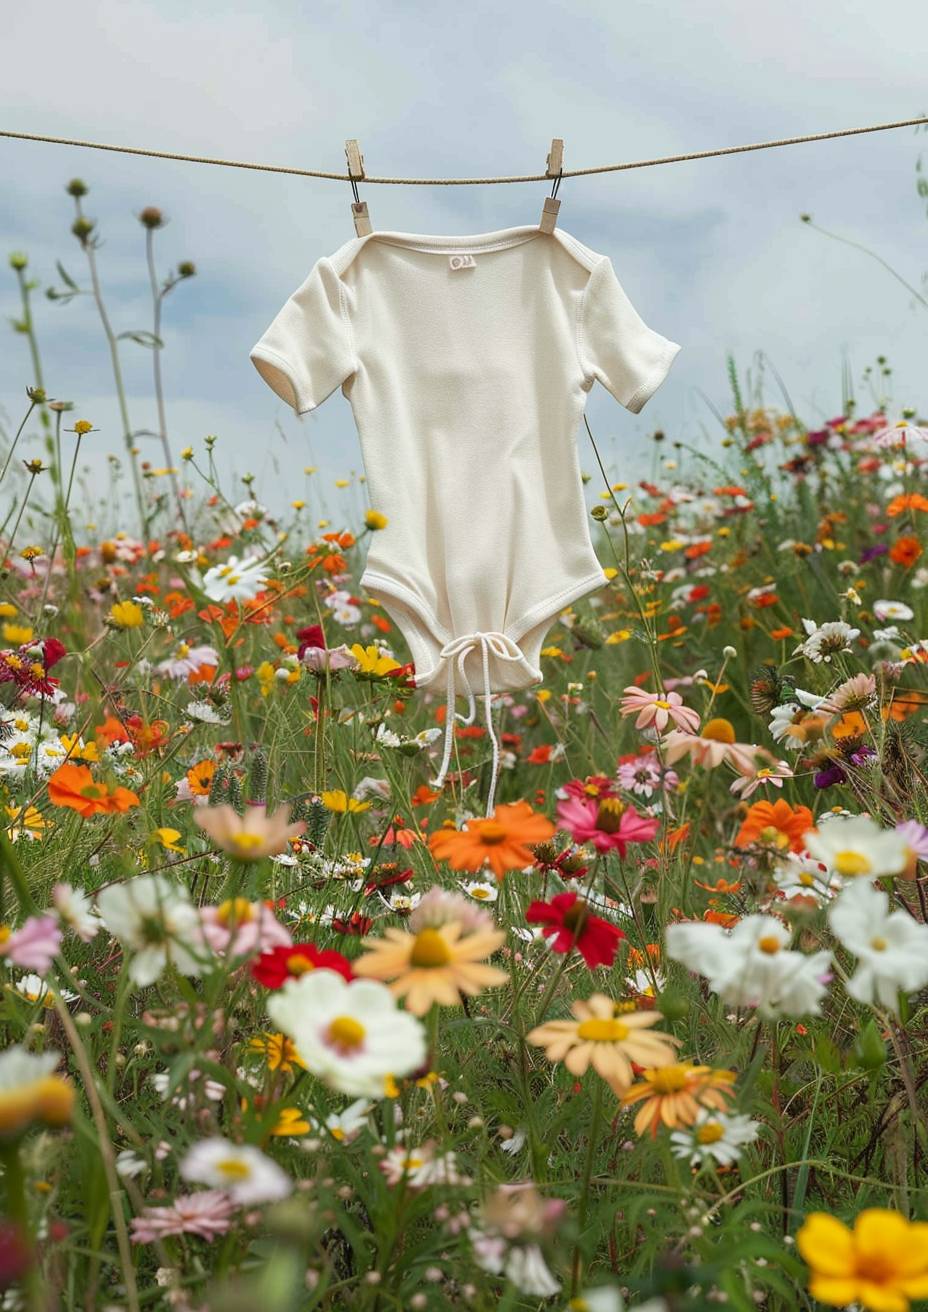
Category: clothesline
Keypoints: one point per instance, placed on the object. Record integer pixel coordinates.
(461, 182)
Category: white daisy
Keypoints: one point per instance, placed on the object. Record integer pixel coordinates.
(891, 947)
(350, 1034)
(481, 890)
(236, 580)
(855, 845)
(154, 920)
(752, 966)
(826, 640)
(718, 1135)
(75, 911)
(240, 1169)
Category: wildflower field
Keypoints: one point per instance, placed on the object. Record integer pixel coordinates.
(287, 1026)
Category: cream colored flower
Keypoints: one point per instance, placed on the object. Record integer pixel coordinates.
(608, 1035)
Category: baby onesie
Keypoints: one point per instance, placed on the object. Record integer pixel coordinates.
(467, 362)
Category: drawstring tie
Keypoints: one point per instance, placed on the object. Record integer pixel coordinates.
(457, 650)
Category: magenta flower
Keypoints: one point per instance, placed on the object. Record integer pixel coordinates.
(33, 946)
(205, 1214)
(655, 710)
(606, 823)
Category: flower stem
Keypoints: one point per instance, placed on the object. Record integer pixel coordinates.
(585, 1186)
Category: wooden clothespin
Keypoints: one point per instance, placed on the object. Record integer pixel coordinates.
(362, 221)
(554, 167)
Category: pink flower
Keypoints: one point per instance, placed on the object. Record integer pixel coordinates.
(915, 835)
(656, 710)
(711, 752)
(205, 1214)
(33, 946)
(606, 823)
(239, 927)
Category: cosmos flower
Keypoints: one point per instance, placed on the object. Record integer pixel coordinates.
(75, 911)
(674, 1095)
(823, 642)
(500, 841)
(238, 927)
(880, 1264)
(752, 966)
(890, 946)
(155, 920)
(569, 923)
(275, 966)
(34, 945)
(657, 709)
(609, 1036)
(205, 1214)
(74, 786)
(711, 747)
(351, 1035)
(251, 836)
(775, 824)
(30, 1091)
(856, 845)
(607, 823)
(436, 965)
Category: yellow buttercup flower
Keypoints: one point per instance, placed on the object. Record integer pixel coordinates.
(127, 615)
(168, 839)
(17, 635)
(336, 799)
(882, 1263)
(372, 663)
(375, 520)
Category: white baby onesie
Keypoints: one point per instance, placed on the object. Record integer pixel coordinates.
(467, 362)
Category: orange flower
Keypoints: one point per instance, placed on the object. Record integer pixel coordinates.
(672, 1095)
(74, 786)
(777, 823)
(907, 501)
(499, 841)
(905, 551)
(200, 777)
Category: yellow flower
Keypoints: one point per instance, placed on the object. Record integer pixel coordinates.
(881, 1263)
(31, 1091)
(266, 676)
(371, 663)
(7, 610)
(673, 1095)
(436, 965)
(187, 453)
(168, 839)
(76, 749)
(291, 1121)
(126, 615)
(17, 635)
(610, 572)
(27, 819)
(609, 1035)
(375, 520)
(336, 799)
(278, 1051)
(619, 635)
(83, 427)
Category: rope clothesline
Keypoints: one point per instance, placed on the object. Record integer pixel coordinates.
(461, 182)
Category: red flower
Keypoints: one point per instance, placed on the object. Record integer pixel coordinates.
(569, 919)
(311, 636)
(275, 967)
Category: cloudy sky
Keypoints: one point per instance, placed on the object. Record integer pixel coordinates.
(712, 253)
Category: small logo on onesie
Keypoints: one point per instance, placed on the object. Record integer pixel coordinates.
(462, 262)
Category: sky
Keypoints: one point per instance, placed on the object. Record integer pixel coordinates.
(712, 253)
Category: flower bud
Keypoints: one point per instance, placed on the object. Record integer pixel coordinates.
(151, 217)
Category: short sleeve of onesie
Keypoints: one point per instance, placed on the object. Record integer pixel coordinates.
(307, 351)
(617, 348)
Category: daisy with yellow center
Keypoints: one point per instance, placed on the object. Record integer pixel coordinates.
(31, 1091)
(672, 1095)
(436, 965)
(608, 1035)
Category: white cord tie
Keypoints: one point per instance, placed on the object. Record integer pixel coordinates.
(457, 650)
